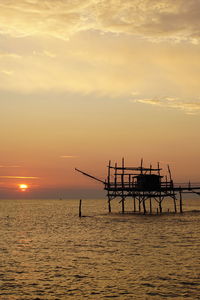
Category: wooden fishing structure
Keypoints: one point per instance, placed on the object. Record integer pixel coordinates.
(142, 184)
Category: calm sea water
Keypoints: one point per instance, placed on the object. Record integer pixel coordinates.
(47, 252)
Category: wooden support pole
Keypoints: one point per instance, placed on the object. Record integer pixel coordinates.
(109, 165)
(150, 205)
(139, 204)
(158, 168)
(134, 204)
(122, 179)
(181, 201)
(160, 207)
(133, 194)
(129, 181)
(80, 206)
(141, 166)
(109, 205)
(170, 174)
(109, 200)
(175, 209)
(123, 205)
(160, 197)
(115, 178)
(144, 206)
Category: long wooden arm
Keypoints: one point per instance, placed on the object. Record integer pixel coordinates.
(93, 177)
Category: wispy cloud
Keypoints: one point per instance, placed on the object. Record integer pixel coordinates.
(9, 55)
(61, 19)
(190, 107)
(68, 156)
(128, 65)
(18, 177)
(7, 72)
(45, 53)
(10, 166)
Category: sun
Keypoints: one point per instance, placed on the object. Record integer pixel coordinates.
(23, 187)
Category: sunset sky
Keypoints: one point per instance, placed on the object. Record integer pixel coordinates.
(85, 81)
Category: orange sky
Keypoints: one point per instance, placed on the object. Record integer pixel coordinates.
(82, 82)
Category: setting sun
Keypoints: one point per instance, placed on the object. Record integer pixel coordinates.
(23, 187)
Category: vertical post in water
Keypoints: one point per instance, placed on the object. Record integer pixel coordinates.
(175, 209)
(133, 194)
(109, 200)
(123, 205)
(80, 206)
(181, 201)
(150, 205)
(160, 206)
(109, 205)
(144, 206)
(115, 182)
(122, 185)
(139, 203)
(150, 201)
(134, 204)
(160, 193)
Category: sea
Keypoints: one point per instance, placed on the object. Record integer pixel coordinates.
(48, 252)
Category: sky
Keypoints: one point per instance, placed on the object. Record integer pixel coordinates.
(83, 82)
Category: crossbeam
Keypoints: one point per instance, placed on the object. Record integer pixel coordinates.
(135, 168)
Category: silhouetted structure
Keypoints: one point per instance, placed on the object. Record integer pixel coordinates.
(141, 184)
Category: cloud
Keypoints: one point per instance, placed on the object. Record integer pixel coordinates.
(178, 19)
(18, 177)
(9, 55)
(11, 166)
(90, 64)
(119, 62)
(68, 156)
(190, 107)
(7, 72)
(44, 53)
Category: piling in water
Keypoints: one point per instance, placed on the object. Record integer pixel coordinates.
(80, 206)
(181, 202)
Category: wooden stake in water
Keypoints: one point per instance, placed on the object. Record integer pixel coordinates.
(80, 206)
(122, 179)
(144, 206)
(175, 209)
(181, 202)
(150, 205)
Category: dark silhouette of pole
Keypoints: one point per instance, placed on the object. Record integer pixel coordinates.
(134, 204)
(139, 204)
(80, 206)
(122, 185)
(150, 205)
(160, 194)
(150, 201)
(160, 206)
(109, 199)
(181, 202)
(144, 206)
(175, 209)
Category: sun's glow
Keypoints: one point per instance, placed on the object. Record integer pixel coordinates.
(23, 187)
